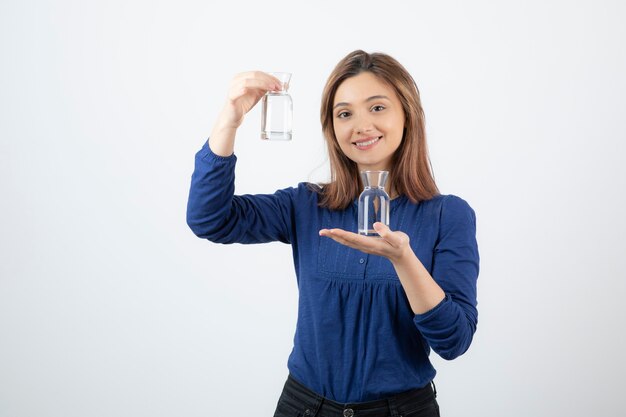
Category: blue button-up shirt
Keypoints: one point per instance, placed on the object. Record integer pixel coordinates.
(357, 338)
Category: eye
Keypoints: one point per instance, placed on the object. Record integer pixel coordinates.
(343, 114)
(378, 108)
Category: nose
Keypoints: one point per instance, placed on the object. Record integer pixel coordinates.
(362, 125)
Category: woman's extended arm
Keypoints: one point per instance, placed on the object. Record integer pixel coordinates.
(444, 303)
(213, 211)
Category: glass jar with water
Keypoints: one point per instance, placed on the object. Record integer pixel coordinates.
(277, 111)
(373, 202)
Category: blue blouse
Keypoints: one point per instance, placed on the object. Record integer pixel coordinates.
(356, 338)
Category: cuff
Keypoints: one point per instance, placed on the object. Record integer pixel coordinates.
(419, 318)
(206, 153)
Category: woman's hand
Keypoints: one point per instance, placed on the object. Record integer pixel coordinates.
(245, 91)
(392, 245)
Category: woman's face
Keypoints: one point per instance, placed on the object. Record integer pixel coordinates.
(368, 121)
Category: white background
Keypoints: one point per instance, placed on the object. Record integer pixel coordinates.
(110, 306)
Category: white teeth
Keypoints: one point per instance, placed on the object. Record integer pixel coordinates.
(368, 143)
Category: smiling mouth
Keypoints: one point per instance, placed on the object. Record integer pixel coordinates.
(367, 143)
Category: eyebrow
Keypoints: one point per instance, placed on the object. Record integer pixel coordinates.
(369, 99)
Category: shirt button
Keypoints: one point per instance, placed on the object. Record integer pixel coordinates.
(348, 412)
(307, 413)
(360, 261)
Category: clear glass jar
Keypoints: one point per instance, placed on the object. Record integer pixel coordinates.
(277, 111)
(373, 202)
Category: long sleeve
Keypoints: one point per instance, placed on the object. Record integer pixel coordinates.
(450, 326)
(215, 213)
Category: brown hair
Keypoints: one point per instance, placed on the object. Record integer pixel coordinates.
(411, 171)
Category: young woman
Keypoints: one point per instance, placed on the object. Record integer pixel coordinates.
(370, 309)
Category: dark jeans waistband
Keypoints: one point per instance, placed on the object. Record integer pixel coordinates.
(394, 405)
